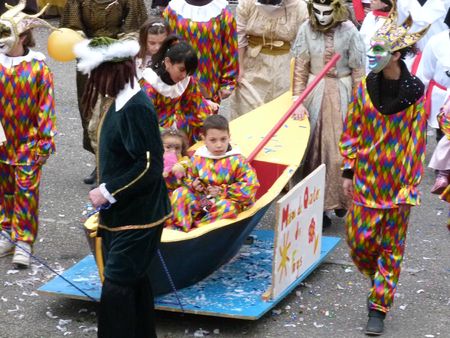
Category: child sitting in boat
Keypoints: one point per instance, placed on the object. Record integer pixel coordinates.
(176, 162)
(220, 182)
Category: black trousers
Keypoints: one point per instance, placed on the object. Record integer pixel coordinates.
(126, 311)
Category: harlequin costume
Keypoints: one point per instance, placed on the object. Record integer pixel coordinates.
(211, 30)
(327, 104)
(110, 18)
(231, 172)
(27, 113)
(383, 146)
(181, 105)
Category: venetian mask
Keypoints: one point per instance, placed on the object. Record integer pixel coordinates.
(8, 38)
(379, 55)
(323, 13)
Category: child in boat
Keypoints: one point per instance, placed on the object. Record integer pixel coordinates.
(151, 36)
(176, 162)
(220, 182)
(173, 90)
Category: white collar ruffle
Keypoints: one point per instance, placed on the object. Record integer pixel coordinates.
(172, 91)
(198, 13)
(11, 61)
(204, 152)
(126, 94)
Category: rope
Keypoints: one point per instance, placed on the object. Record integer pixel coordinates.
(36, 258)
(169, 277)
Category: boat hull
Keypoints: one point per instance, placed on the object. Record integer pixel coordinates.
(190, 261)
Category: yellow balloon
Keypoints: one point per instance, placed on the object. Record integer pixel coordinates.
(61, 42)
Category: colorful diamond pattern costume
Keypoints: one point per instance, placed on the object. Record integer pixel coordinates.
(212, 32)
(232, 173)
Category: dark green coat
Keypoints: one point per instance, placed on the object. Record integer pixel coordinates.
(131, 165)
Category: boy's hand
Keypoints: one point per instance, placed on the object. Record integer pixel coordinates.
(348, 187)
(213, 190)
(197, 185)
(300, 113)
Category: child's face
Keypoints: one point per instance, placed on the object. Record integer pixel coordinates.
(173, 144)
(177, 71)
(217, 141)
(154, 42)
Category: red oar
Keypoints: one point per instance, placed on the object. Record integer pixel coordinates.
(294, 106)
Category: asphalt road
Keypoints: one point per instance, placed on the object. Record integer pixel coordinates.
(331, 303)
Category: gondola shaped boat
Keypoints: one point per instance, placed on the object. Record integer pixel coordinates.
(274, 144)
(190, 257)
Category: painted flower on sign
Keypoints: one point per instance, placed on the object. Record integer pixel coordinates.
(312, 230)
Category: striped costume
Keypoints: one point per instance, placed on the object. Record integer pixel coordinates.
(27, 114)
(211, 30)
(181, 105)
(385, 154)
(231, 172)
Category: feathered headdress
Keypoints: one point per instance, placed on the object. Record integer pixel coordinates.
(20, 21)
(397, 36)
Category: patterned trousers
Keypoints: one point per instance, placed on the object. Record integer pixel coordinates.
(188, 212)
(19, 200)
(377, 242)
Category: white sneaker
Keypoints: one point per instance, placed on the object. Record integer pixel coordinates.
(6, 247)
(21, 258)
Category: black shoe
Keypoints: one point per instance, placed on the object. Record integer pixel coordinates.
(375, 324)
(326, 222)
(340, 212)
(91, 178)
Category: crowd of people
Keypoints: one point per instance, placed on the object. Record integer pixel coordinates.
(149, 87)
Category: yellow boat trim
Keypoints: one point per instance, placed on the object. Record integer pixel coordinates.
(135, 227)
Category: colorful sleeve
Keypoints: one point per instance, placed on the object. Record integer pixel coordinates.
(230, 66)
(243, 190)
(351, 134)
(414, 157)
(46, 114)
(196, 107)
(444, 119)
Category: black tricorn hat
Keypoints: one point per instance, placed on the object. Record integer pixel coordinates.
(447, 18)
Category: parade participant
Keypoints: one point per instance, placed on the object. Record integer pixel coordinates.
(151, 36)
(173, 90)
(210, 28)
(374, 20)
(383, 146)
(132, 196)
(444, 122)
(265, 33)
(27, 113)
(360, 10)
(176, 162)
(220, 182)
(434, 71)
(325, 33)
(111, 18)
(440, 161)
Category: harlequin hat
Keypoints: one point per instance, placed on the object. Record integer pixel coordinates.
(20, 21)
(92, 53)
(397, 36)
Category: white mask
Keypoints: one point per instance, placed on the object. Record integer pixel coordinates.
(8, 38)
(379, 55)
(323, 13)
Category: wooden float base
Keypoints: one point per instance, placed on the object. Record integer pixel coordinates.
(236, 290)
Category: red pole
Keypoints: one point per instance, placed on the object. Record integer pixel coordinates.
(293, 107)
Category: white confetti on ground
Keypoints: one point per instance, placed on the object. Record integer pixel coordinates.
(14, 310)
(201, 333)
(402, 307)
(420, 291)
(216, 331)
(4, 299)
(50, 315)
(12, 272)
(318, 325)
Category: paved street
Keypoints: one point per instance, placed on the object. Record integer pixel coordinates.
(331, 302)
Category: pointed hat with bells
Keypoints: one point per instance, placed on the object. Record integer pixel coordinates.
(14, 22)
(397, 36)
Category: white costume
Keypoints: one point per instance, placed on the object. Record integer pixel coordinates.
(434, 71)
